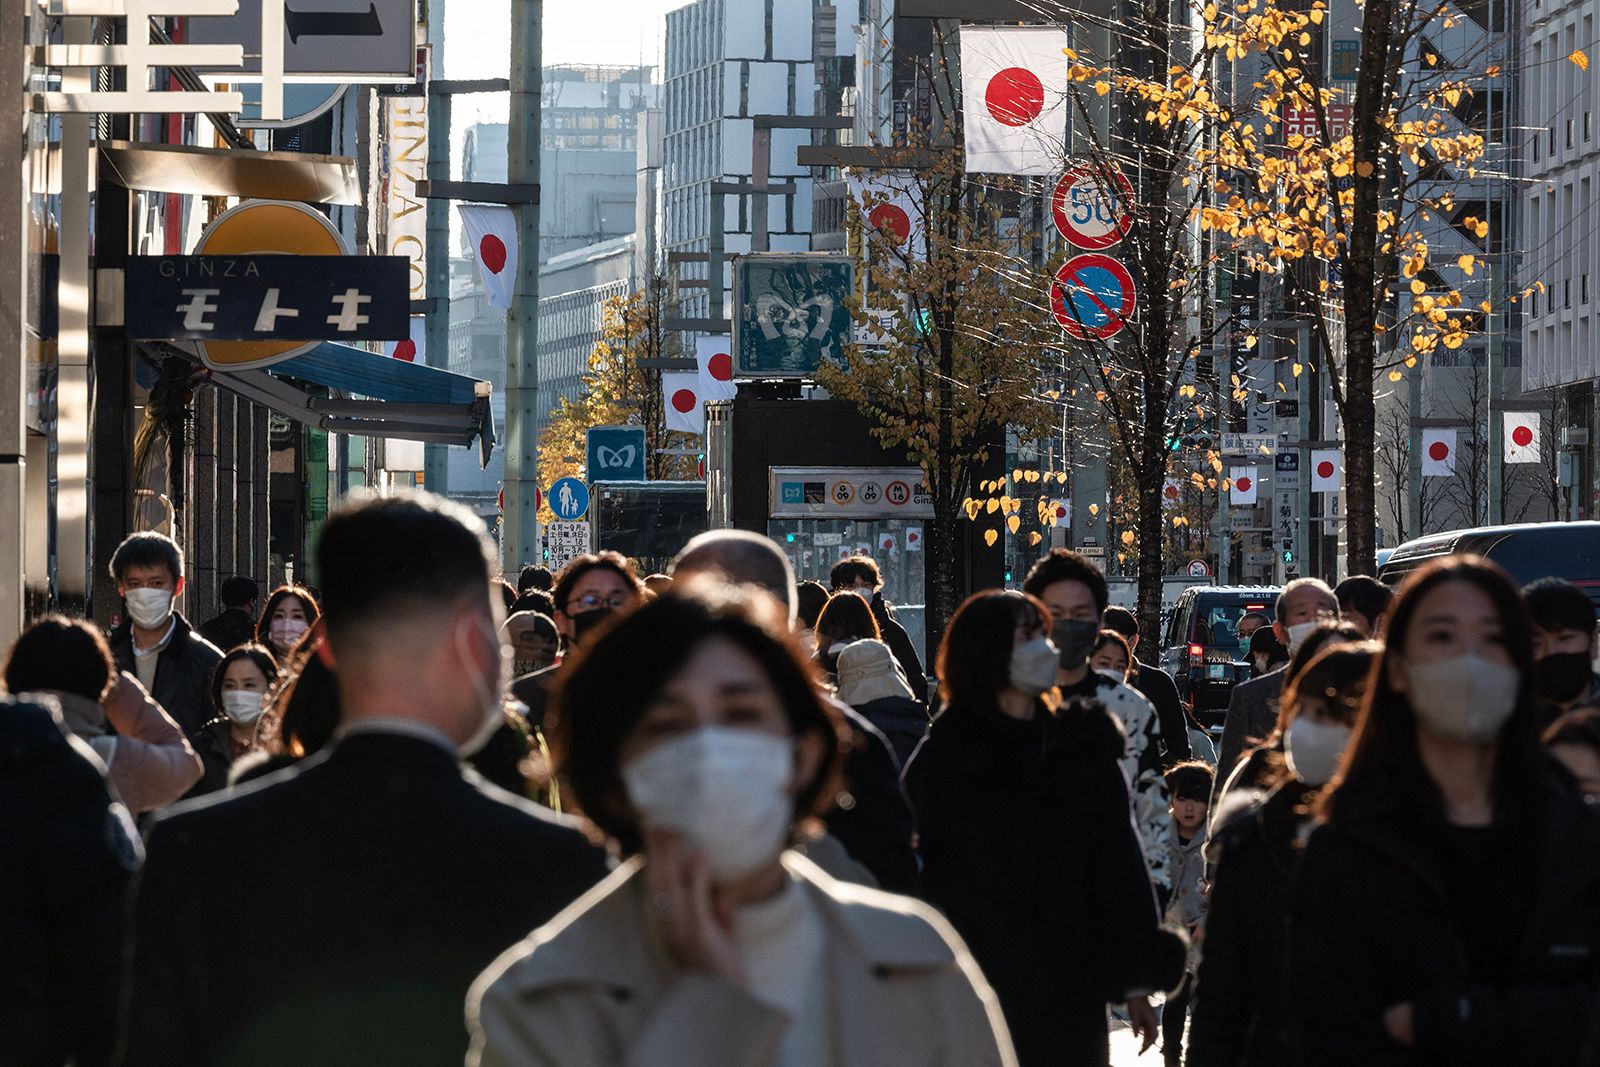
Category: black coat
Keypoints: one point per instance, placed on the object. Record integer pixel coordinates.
(1162, 692)
(871, 818)
(899, 642)
(1241, 1012)
(1029, 851)
(229, 630)
(1372, 926)
(183, 672)
(902, 720)
(65, 856)
(364, 889)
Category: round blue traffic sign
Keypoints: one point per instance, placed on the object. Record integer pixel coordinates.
(1092, 296)
(569, 499)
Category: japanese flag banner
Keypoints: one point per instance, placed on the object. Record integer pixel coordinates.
(1243, 491)
(715, 359)
(1014, 91)
(492, 230)
(889, 204)
(1172, 491)
(1326, 470)
(1522, 436)
(1438, 453)
(680, 395)
(414, 348)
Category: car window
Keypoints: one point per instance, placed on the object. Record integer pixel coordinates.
(1218, 624)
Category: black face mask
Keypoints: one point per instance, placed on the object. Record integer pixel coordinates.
(587, 622)
(1562, 676)
(1075, 638)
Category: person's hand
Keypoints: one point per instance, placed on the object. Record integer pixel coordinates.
(696, 922)
(1397, 1021)
(122, 704)
(1143, 1022)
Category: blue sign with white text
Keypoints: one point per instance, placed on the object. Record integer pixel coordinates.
(569, 499)
(616, 454)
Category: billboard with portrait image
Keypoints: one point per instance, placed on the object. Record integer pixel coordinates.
(790, 312)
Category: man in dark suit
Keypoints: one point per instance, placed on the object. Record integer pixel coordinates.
(337, 912)
(236, 624)
(1253, 705)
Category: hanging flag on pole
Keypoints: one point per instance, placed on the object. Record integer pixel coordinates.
(1243, 490)
(414, 348)
(1327, 470)
(888, 204)
(680, 394)
(1014, 90)
(1438, 453)
(714, 355)
(1522, 436)
(492, 229)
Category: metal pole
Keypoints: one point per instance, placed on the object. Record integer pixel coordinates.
(1492, 432)
(14, 185)
(1222, 364)
(520, 542)
(1302, 526)
(1414, 451)
(435, 461)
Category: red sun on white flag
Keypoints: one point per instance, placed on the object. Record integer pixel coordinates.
(1014, 91)
(1014, 96)
(891, 218)
(492, 253)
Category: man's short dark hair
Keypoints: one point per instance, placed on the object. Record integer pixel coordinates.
(1557, 604)
(239, 592)
(573, 572)
(847, 572)
(1364, 594)
(508, 594)
(1065, 565)
(1120, 620)
(535, 600)
(147, 549)
(384, 557)
(534, 576)
(60, 653)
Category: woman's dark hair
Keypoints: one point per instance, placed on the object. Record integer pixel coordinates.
(845, 618)
(809, 597)
(305, 710)
(1557, 604)
(535, 600)
(1265, 642)
(573, 572)
(606, 689)
(257, 654)
(1382, 774)
(847, 572)
(1322, 635)
(974, 662)
(1339, 674)
(1111, 637)
(59, 653)
(308, 603)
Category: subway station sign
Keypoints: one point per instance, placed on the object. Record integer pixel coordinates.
(849, 493)
(267, 297)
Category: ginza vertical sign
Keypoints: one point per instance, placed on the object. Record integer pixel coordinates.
(405, 212)
(266, 297)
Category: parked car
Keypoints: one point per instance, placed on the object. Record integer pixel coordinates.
(1530, 551)
(1201, 648)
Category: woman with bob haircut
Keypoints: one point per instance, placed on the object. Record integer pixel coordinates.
(1241, 1010)
(692, 733)
(1027, 846)
(1447, 907)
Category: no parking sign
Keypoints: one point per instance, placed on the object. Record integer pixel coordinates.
(1092, 296)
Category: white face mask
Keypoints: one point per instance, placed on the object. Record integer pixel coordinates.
(149, 608)
(1298, 633)
(725, 789)
(1112, 673)
(1312, 749)
(864, 594)
(243, 706)
(490, 704)
(1033, 665)
(1463, 698)
(285, 632)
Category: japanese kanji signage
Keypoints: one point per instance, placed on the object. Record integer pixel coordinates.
(270, 297)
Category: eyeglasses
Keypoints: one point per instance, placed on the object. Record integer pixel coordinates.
(591, 601)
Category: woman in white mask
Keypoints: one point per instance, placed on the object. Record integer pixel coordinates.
(241, 685)
(1447, 906)
(692, 734)
(1240, 1015)
(1027, 846)
(291, 610)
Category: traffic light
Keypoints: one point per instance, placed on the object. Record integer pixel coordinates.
(789, 538)
(1288, 554)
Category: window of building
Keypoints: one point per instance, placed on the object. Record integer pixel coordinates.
(1569, 133)
(1566, 293)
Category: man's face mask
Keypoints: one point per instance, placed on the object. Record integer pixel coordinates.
(587, 622)
(1075, 639)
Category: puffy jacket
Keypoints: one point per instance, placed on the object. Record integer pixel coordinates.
(1029, 852)
(1241, 1012)
(66, 851)
(150, 763)
(1372, 925)
(183, 672)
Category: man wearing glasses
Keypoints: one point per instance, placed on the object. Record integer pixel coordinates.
(588, 591)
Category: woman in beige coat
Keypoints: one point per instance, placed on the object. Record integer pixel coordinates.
(692, 735)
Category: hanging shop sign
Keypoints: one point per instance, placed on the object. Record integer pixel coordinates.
(849, 492)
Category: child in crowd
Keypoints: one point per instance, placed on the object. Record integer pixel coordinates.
(1189, 787)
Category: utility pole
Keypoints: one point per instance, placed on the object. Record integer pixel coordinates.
(520, 535)
(436, 338)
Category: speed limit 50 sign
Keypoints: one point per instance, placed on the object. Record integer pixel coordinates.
(1088, 211)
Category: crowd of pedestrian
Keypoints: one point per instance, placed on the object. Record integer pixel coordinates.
(423, 815)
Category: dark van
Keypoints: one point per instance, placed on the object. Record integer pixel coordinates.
(1569, 550)
(1201, 647)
